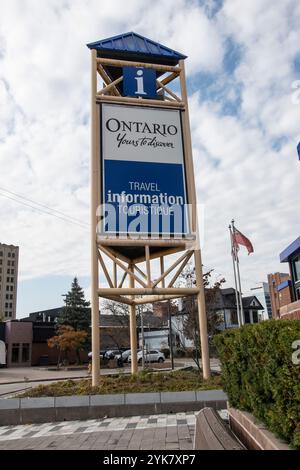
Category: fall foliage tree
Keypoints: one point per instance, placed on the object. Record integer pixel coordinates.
(67, 339)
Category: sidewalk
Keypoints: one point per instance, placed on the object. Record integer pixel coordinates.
(174, 432)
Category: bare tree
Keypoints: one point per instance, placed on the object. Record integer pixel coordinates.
(188, 328)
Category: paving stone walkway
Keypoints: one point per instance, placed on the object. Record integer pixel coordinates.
(174, 431)
(156, 432)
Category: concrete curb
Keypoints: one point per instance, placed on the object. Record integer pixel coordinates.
(15, 411)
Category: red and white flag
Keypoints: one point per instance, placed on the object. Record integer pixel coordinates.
(239, 239)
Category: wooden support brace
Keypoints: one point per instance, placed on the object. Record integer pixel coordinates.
(104, 269)
(170, 269)
(136, 101)
(180, 269)
(159, 298)
(109, 87)
(147, 255)
(119, 298)
(127, 63)
(106, 79)
(170, 78)
(140, 271)
(178, 291)
(170, 92)
(123, 279)
(118, 262)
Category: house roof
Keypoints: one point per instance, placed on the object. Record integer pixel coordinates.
(134, 46)
(252, 302)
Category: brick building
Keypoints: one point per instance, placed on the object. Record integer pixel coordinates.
(18, 339)
(280, 291)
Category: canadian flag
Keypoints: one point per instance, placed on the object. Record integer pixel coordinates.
(239, 239)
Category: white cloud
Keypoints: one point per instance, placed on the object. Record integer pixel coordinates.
(44, 122)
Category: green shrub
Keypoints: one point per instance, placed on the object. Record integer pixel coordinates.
(259, 376)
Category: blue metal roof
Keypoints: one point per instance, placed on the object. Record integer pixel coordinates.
(290, 251)
(135, 44)
(283, 285)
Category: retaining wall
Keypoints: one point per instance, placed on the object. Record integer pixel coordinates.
(50, 409)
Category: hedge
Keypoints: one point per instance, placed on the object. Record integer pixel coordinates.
(259, 376)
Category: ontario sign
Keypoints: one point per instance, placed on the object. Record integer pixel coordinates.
(143, 172)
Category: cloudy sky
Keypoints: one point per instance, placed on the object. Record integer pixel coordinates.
(243, 65)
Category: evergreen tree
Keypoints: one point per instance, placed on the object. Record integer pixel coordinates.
(76, 312)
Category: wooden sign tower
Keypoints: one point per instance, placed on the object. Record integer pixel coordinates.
(139, 86)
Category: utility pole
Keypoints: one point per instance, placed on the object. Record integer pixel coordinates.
(170, 335)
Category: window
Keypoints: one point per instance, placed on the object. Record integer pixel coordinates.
(8, 271)
(8, 263)
(296, 268)
(233, 316)
(15, 352)
(13, 255)
(1, 253)
(13, 271)
(9, 255)
(11, 288)
(25, 352)
(247, 316)
(12, 263)
(255, 316)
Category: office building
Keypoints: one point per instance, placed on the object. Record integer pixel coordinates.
(291, 255)
(9, 257)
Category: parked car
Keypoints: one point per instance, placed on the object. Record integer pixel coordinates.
(124, 356)
(154, 355)
(101, 354)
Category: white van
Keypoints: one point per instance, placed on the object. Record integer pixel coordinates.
(2, 353)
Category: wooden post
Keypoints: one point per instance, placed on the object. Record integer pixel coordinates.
(197, 252)
(202, 316)
(94, 251)
(133, 332)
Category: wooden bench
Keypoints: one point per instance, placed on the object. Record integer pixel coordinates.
(211, 433)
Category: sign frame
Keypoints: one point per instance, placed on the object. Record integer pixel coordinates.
(186, 194)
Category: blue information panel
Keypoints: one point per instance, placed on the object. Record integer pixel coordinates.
(144, 190)
(138, 81)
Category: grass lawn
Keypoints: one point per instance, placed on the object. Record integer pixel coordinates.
(177, 381)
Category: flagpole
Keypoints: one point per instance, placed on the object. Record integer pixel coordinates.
(239, 282)
(234, 255)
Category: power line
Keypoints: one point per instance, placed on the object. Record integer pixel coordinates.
(41, 211)
(41, 205)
